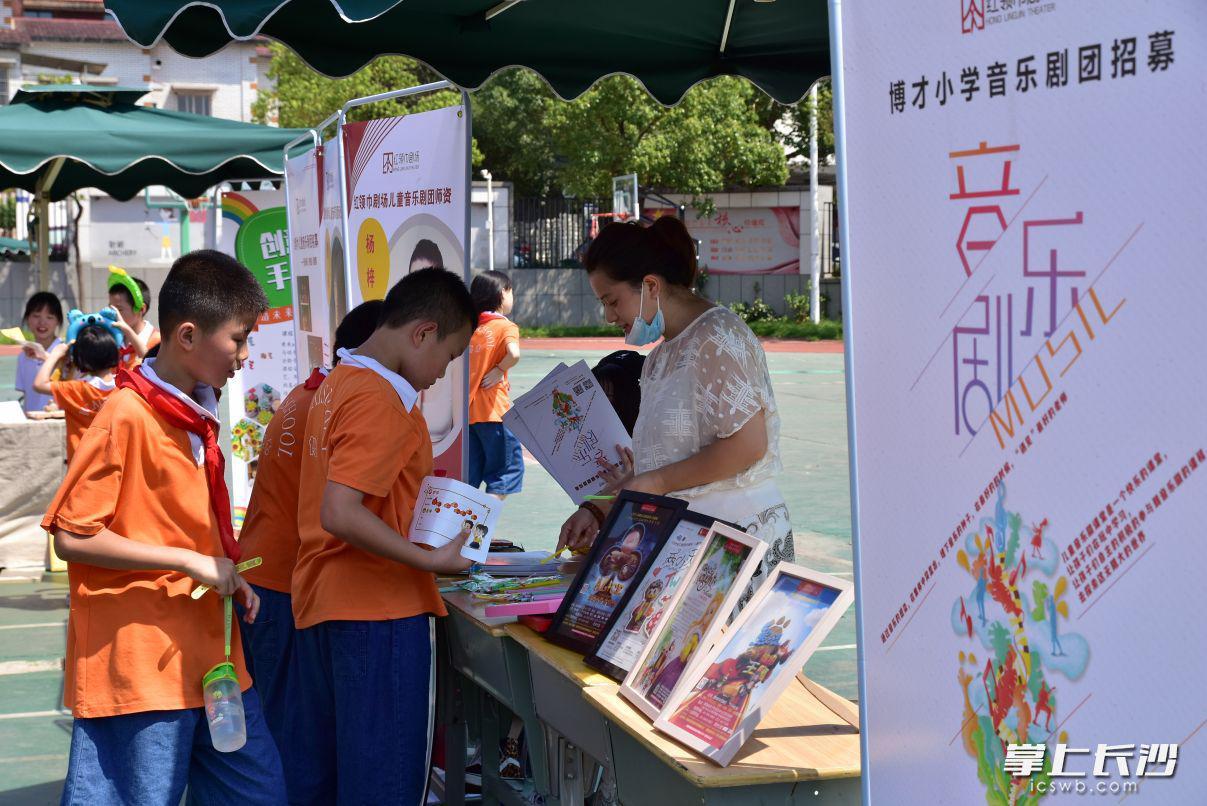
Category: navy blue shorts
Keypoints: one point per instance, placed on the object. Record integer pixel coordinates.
(495, 457)
(150, 757)
(362, 697)
(267, 647)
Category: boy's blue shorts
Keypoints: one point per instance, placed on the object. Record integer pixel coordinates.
(495, 457)
(267, 647)
(150, 757)
(363, 711)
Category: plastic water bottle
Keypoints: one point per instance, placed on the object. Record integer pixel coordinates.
(224, 708)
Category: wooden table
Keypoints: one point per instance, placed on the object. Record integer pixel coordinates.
(805, 750)
(576, 733)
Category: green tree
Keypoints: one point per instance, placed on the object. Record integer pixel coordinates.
(791, 123)
(301, 97)
(717, 136)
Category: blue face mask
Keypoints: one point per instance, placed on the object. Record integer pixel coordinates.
(643, 332)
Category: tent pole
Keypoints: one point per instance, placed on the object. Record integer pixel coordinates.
(42, 202)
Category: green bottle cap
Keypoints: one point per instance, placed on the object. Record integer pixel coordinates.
(225, 670)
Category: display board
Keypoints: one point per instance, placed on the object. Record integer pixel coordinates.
(408, 207)
(255, 231)
(1021, 189)
(312, 321)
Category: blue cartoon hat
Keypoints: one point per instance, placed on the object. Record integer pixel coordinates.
(77, 320)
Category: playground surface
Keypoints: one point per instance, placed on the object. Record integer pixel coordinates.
(809, 386)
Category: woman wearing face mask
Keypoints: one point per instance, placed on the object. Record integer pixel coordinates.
(708, 427)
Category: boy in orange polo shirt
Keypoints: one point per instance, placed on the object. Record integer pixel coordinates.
(141, 518)
(494, 453)
(364, 596)
(270, 530)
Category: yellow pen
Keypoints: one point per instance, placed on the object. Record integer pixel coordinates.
(246, 565)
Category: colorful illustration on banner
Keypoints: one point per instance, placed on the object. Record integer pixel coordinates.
(372, 260)
(1009, 697)
(691, 619)
(261, 402)
(731, 687)
(246, 438)
(262, 245)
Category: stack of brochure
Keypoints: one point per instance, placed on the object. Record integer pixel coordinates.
(567, 422)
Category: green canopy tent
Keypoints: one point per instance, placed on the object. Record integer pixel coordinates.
(57, 139)
(782, 46)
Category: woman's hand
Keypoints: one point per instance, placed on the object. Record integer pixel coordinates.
(35, 351)
(492, 378)
(578, 532)
(616, 477)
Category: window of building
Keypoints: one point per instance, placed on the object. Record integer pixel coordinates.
(198, 103)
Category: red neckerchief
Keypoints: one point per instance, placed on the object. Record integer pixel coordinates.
(489, 316)
(315, 380)
(180, 415)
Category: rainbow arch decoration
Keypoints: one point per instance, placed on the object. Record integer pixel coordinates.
(237, 208)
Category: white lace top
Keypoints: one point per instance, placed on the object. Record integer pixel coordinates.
(701, 386)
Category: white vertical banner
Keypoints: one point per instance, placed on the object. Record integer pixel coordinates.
(407, 210)
(1021, 184)
(312, 323)
(257, 235)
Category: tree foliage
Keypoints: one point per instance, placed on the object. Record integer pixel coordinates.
(724, 132)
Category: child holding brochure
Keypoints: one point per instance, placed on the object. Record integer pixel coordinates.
(364, 594)
(495, 455)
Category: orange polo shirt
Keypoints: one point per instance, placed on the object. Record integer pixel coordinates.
(136, 640)
(361, 434)
(80, 402)
(270, 530)
(487, 347)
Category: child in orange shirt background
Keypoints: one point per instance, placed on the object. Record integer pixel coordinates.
(364, 596)
(94, 356)
(494, 453)
(270, 530)
(142, 517)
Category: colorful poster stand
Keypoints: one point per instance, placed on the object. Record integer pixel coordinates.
(256, 233)
(408, 202)
(1021, 190)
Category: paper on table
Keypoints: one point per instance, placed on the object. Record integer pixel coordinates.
(568, 424)
(447, 509)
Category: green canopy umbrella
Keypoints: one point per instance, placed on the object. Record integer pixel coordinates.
(57, 139)
(782, 46)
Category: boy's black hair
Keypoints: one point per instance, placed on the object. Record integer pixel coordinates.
(619, 374)
(357, 326)
(427, 250)
(44, 299)
(436, 295)
(125, 292)
(95, 350)
(208, 288)
(487, 290)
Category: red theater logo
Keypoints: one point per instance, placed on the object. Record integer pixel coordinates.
(972, 16)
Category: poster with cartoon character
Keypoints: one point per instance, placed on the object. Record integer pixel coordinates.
(630, 539)
(721, 699)
(447, 509)
(708, 594)
(630, 627)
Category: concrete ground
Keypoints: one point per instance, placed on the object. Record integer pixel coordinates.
(809, 387)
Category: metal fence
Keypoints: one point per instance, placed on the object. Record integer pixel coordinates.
(552, 233)
(60, 222)
(831, 262)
